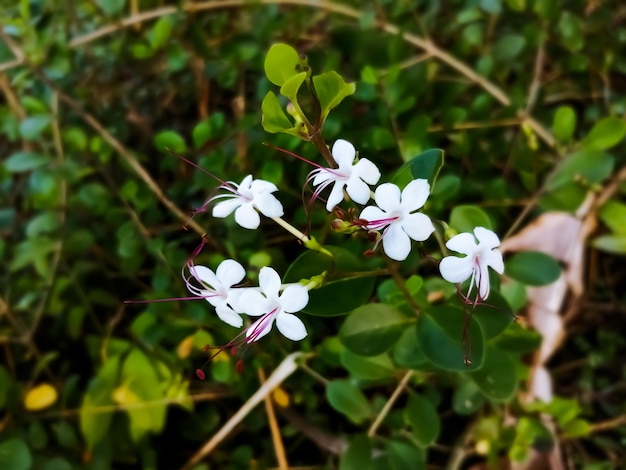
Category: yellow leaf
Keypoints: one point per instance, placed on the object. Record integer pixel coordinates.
(40, 397)
(185, 347)
(281, 397)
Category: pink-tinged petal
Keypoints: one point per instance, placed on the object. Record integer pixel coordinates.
(486, 237)
(418, 226)
(367, 171)
(260, 328)
(246, 183)
(482, 281)
(263, 187)
(494, 259)
(229, 273)
(414, 195)
(268, 205)
(253, 303)
(247, 216)
(454, 269)
(204, 275)
(372, 213)
(343, 153)
(291, 326)
(358, 191)
(294, 298)
(228, 315)
(463, 243)
(269, 282)
(335, 196)
(387, 197)
(396, 242)
(225, 208)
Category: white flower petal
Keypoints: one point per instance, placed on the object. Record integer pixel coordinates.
(228, 315)
(387, 197)
(486, 237)
(463, 243)
(494, 259)
(414, 195)
(260, 328)
(335, 196)
(204, 275)
(291, 326)
(229, 273)
(253, 303)
(294, 298)
(454, 269)
(225, 208)
(396, 243)
(358, 191)
(482, 280)
(418, 226)
(269, 282)
(247, 216)
(262, 187)
(367, 171)
(268, 205)
(343, 153)
(372, 213)
(246, 183)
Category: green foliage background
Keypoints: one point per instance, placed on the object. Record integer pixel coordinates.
(525, 97)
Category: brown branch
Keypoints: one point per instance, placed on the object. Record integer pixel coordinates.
(277, 440)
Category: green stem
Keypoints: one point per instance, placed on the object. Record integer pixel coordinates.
(309, 242)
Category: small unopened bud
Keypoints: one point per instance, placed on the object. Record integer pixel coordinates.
(239, 366)
(200, 374)
(369, 253)
(338, 225)
(339, 213)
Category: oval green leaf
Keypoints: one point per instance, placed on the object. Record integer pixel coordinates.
(338, 295)
(426, 165)
(465, 218)
(281, 63)
(372, 329)
(493, 316)
(367, 368)
(331, 89)
(467, 398)
(25, 161)
(421, 414)
(440, 334)
(170, 140)
(533, 268)
(497, 378)
(564, 123)
(15, 455)
(605, 134)
(357, 455)
(348, 400)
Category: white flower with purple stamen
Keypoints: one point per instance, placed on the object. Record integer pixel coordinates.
(217, 288)
(355, 177)
(272, 307)
(246, 198)
(396, 217)
(479, 257)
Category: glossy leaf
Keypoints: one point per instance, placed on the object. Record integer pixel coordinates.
(281, 63)
(404, 456)
(357, 455)
(426, 165)
(564, 123)
(338, 295)
(171, 140)
(346, 398)
(605, 134)
(533, 268)
(274, 118)
(497, 378)
(467, 398)
(517, 339)
(465, 218)
(372, 329)
(494, 316)
(367, 368)
(440, 334)
(408, 353)
(290, 87)
(423, 418)
(331, 89)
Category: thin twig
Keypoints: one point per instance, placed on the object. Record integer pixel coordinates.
(277, 440)
(387, 408)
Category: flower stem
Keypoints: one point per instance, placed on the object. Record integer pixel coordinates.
(309, 242)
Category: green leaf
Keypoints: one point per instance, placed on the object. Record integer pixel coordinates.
(404, 456)
(290, 87)
(529, 432)
(494, 316)
(111, 7)
(465, 218)
(576, 428)
(31, 128)
(25, 161)
(423, 418)
(56, 463)
(611, 244)
(564, 123)
(571, 30)
(331, 89)
(613, 214)
(347, 399)
(357, 455)
(171, 140)
(533, 268)
(15, 455)
(338, 295)
(606, 133)
(274, 118)
(508, 47)
(491, 6)
(408, 353)
(281, 63)
(426, 165)
(440, 332)
(591, 166)
(160, 33)
(497, 378)
(372, 329)
(517, 339)
(202, 133)
(367, 368)
(467, 398)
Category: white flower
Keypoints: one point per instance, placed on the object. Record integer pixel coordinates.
(217, 288)
(248, 196)
(395, 213)
(273, 307)
(355, 177)
(479, 256)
